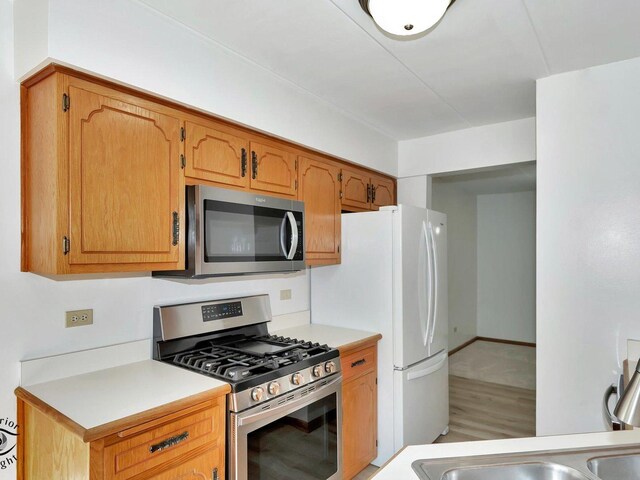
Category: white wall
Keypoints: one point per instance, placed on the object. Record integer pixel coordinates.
(588, 259)
(128, 41)
(460, 208)
(415, 191)
(506, 252)
(468, 149)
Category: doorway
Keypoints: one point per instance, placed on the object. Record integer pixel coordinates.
(491, 216)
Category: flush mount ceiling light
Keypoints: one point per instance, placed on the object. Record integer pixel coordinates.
(405, 17)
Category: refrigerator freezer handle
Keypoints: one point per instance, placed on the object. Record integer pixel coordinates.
(429, 370)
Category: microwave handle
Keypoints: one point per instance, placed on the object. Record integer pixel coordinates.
(294, 235)
(283, 232)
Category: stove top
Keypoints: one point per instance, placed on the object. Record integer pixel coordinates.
(253, 360)
(229, 340)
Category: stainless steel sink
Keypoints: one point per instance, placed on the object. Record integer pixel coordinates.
(617, 463)
(620, 467)
(522, 471)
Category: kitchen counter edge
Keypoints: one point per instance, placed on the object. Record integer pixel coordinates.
(400, 465)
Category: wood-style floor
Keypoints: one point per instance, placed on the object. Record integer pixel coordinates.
(484, 411)
(488, 411)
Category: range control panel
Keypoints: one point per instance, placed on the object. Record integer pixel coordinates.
(221, 310)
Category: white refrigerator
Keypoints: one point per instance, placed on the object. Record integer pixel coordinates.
(393, 280)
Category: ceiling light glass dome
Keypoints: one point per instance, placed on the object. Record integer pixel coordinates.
(406, 17)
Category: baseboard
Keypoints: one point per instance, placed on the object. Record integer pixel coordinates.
(489, 339)
(509, 342)
(460, 347)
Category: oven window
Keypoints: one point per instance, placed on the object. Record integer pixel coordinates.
(243, 233)
(300, 446)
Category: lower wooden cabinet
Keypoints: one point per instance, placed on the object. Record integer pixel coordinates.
(199, 468)
(359, 409)
(187, 444)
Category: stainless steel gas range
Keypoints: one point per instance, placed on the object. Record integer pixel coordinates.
(284, 411)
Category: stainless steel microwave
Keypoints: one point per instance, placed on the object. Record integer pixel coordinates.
(234, 233)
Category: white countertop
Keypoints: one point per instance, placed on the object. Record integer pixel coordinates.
(97, 398)
(335, 337)
(400, 466)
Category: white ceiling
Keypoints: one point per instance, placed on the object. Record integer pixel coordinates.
(507, 179)
(477, 67)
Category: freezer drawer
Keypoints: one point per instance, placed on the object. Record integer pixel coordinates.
(421, 398)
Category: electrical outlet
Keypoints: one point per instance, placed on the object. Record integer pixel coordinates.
(79, 318)
(285, 294)
(455, 329)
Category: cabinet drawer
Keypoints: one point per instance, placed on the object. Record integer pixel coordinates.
(359, 362)
(164, 443)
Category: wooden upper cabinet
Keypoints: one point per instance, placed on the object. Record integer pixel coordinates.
(320, 191)
(356, 189)
(126, 190)
(125, 187)
(113, 181)
(273, 169)
(382, 191)
(216, 154)
(104, 168)
(364, 191)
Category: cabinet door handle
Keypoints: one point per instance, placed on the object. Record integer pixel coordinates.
(214, 474)
(357, 363)
(176, 228)
(373, 194)
(368, 193)
(169, 442)
(254, 165)
(244, 162)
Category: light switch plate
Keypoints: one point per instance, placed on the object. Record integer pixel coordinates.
(79, 318)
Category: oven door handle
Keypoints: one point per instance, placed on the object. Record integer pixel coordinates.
(294, 405)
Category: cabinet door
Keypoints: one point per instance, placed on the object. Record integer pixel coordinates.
(216, 155)
(359, 425)
(126, 188)
(204, 467)
(273, 170)
(382, 192)
(320, 191)
(356, 190)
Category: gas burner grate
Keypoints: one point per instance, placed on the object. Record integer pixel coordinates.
(235, 365)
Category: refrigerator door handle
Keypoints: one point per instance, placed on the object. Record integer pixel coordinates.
(429, 370)
(424, 272)
(434, 284)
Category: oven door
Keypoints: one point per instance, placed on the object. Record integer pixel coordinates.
(243, 232)
(299, 439)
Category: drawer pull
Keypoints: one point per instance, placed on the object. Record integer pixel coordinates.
(169, 442)
(357, 363)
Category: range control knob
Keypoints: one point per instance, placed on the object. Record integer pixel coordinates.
(317, 371)
(330, 367)
(273, 388)
(297, 378)
(257, 394)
